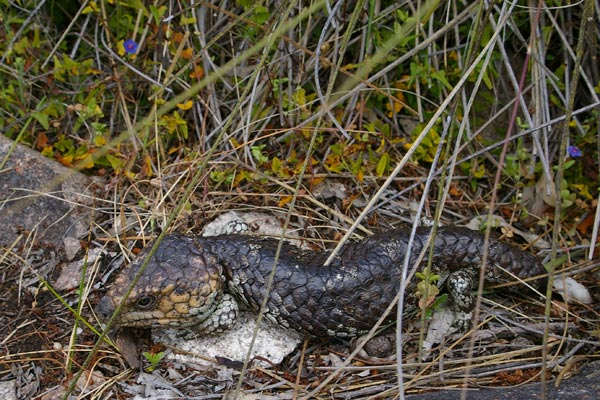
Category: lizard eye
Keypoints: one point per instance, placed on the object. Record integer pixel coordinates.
(145, 302)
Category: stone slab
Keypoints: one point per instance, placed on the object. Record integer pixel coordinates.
(40, 199)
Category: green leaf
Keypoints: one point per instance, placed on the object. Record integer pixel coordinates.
(478, 171)
(42, 118)
(115, 162)
(91, 8)
(337, 149)
(382, 164)
(441, 77)
(299, 96)
(568, 164)
(277, 166)
(158, 13)
(153, 359)
(427, 276)
(258, 154)
(187, 21)
(261, 15)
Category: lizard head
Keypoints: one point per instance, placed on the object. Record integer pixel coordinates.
(180, 286)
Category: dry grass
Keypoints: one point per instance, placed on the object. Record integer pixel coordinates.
(312, 111)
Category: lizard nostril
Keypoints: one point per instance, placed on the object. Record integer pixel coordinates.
(105, 307)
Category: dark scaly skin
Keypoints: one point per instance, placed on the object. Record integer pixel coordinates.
(345, 298)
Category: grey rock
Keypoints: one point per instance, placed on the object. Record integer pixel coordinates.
(41, 200)
(8, 390)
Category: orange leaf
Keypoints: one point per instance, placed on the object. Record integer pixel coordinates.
(187, 53)
(586, 224)
(198, 72)
(360, 176)
(455, 191)
(177, 37)
(42, 141)
(284, 200)
(67, 160)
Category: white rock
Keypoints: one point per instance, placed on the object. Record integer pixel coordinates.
(255, 223)
(572, 291)
(440, 326)
(478, 223)
(273, 342)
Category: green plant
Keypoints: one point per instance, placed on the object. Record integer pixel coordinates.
(154, 359)
(428, 292)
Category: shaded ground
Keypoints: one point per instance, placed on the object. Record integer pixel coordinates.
(583, 385)
(37, 329)
(35, 323)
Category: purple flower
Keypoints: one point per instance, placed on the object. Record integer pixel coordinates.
(130, 46)
(574, 151)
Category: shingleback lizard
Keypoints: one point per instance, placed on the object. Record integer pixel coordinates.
(192, 280)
